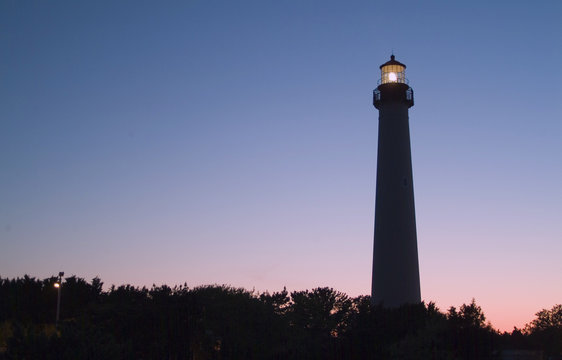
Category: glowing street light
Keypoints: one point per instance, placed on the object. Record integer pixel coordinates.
(58, 285)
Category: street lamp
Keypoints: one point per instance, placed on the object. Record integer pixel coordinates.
(58, 285)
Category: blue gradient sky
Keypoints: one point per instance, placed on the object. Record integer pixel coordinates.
(235, 142)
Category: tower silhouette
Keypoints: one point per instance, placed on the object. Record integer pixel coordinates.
(396, 278)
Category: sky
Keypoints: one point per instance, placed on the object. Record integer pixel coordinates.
(234, 142)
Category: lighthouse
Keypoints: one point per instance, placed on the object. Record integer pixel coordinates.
(396, 279)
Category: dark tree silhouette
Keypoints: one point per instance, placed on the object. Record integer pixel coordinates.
(222, 322)
(545, 330)
(472, 338)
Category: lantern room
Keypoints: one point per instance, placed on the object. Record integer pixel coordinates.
(393, 72)
(393, 85)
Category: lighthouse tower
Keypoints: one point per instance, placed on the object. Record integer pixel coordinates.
(396, 278)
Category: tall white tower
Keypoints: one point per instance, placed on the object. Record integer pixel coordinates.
(396, 278)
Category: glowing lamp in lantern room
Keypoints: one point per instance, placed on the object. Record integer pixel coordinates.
(393, 72)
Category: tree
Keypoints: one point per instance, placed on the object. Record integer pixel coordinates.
(546, 330)
(323, 310)
(547, 319)
(279, 301)
(472, 338)
(468, 316)
(317, 318)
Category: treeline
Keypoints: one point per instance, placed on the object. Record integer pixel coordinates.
(222, 322)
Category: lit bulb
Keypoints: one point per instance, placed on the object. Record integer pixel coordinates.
(57, 285)
(392, 77)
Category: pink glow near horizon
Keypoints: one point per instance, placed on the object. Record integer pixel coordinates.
(186, 144)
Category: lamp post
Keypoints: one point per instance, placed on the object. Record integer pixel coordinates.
(58, 285)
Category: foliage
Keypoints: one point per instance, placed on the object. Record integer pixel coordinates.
(546, 319)
(472, 338)
(545, 330)
(222, 322)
